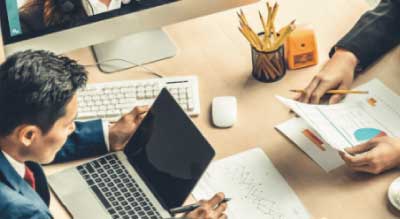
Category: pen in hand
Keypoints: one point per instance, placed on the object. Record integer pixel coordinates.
(188, 208)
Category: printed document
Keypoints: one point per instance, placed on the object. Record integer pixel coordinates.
(358, 119)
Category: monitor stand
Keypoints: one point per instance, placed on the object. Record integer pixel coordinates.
(139, 48)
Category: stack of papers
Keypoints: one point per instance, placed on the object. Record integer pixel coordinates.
(255, 186)
(357, 119)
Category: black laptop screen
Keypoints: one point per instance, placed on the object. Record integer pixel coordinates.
(169, 152)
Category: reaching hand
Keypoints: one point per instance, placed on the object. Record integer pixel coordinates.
(374, 156)
(338, 73)
(211, 209)
(121, 131)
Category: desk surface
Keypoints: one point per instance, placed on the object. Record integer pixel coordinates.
(212, 48)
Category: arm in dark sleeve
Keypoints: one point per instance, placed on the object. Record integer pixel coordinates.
(86, 141)
(374, 34)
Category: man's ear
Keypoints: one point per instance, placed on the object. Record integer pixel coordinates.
(27, 134)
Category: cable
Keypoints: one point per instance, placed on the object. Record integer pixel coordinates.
(148, 70)
(127, 61)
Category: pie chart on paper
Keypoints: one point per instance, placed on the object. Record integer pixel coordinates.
(365, 134)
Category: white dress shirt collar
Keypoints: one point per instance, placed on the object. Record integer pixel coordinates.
(18, 166)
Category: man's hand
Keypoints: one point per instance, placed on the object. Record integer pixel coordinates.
(338, 73)
(121, 131)
(211, 209)
(374, 156)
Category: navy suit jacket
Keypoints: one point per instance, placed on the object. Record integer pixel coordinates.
(375, 33)
(19, 201)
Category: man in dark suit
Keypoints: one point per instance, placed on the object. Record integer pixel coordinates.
(377, 32)
(38, 105)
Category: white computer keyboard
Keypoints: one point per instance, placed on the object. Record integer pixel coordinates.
(112, 99)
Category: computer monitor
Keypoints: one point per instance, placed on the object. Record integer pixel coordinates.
(117, 29)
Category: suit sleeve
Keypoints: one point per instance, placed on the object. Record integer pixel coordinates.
(374, 34)
(15, 206)
(23, 212)
(86, 141)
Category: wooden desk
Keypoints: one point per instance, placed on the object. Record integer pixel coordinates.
(212, 48)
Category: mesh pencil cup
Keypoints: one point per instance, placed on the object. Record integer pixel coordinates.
(268, 66)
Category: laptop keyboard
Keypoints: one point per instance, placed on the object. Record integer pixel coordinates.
(116, 189)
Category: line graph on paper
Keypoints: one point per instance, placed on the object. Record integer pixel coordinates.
(255, 186)
(252, 190)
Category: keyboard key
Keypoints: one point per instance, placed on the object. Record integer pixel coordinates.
(90, 182)
(117, 193)
(99, 195)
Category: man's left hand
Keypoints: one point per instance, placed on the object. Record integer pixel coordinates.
(121, 131)
(375, 156)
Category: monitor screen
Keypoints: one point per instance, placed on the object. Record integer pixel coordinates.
(169, 152)
(25, 19)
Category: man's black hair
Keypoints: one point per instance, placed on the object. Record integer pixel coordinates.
(35, 87)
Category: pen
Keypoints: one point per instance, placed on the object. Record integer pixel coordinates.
(191, 207)
(336, 91)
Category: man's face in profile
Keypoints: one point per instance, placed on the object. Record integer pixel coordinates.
(45, 146)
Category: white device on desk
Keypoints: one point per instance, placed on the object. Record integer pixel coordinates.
(224, 111)
(112, 99)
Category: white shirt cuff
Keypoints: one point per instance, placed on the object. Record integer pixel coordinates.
(105, 133)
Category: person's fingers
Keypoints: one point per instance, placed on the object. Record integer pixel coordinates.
(357, 159)
(298, 97)
(223, 216)
(365, 169)
(350, 164)
(361, 148)
(214, 201)
(310, 89)
(336, 98)
(140, 117)
(319, 91)
(202, 201)
(139, 110)
(220, 209)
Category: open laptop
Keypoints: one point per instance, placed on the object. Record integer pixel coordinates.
(157, 171)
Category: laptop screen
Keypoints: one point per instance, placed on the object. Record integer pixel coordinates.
(169, 152)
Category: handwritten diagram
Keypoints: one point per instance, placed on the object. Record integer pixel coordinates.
(255, 186)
